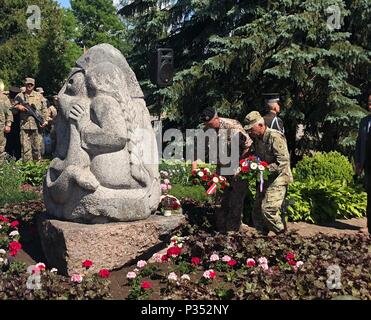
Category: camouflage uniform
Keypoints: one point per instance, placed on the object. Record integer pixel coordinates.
(31, 139)
(6, 119)
(229, 214)
(272, 148)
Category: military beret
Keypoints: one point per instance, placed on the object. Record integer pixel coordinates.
(271, 97)
(251, 119)
(208, 114)
(29, 80)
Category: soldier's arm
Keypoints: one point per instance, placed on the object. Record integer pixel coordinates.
(281, 153)
(8, 114)
(44, 110)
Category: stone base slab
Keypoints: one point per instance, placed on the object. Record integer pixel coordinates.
(67, 245)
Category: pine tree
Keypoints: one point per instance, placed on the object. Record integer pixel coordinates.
(229, 52)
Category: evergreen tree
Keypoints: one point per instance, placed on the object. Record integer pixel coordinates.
(228, 52)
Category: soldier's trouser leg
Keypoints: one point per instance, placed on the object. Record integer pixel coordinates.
(26, 148)
(36, 144)
(2, 145)
(228, 216)
(368, 210)
(257, 216)
(271, 205)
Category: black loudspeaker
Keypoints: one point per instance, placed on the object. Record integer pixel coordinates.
(162, 67)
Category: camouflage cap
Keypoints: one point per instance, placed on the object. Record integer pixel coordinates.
(29, 80)
(40, 89)
(252, 118)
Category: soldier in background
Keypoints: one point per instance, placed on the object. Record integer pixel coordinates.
(6, 119)
(228, 217)
(30, 136)
(270, 146)
(272, 120)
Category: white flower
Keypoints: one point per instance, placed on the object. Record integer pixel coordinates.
(253, 166)
(54, 270)
(157, 257)
(76, 278)
(166, 181)
(226, 258)
(215, 179)
(14, 233)
(209, 274)
(214, 257)
(261, 168)
(200, 174)
(131, 275)
(141, 264)
(263, 260)
(1, 260)
(40, 266)
(207, 170)
(136, 270)
(221, 178)
(2, 251)
(185, 277)
(299, 264)
(172, 277)
(264, 266)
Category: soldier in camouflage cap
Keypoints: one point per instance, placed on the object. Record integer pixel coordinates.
(30, 136)
(229, 215)
(6, 119)
(270, 146)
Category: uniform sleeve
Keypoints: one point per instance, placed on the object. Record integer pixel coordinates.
(44, 110)
(282, 156)
(8, 113)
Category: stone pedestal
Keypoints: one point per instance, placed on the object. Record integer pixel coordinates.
(67, 245)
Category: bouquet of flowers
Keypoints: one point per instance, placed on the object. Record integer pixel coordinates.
(169, 204)
(253, 168)
(212, 182)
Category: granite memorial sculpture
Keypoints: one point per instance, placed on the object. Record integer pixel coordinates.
(106, 161)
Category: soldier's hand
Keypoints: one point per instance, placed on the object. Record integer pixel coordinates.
(44, 124)
(21, 108)
(7, 129)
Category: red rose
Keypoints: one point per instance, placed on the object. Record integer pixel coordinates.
(290, 256)
(251, 263)
(263, 163)
(164, 258)
(146, 285)
(209, 183)
(15, 245)
(196, 260)
(212, 274)
(232, 263)
(242, 162)
(245, 169)
(14, 224)
(174, 251)
(104, 273)
(251, 158)
(194, 173)
(3, 219)
(292, 263)
(87, 264)
(205, 178)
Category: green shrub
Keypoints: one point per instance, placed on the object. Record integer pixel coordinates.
(196, 193)
(324, 201)
(331, 166)
(33, 172)
(11, 179)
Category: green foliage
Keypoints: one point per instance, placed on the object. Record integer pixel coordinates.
(33, 172)
(196, 193)
(99, 23)
(330, 166)
(325, 201)
(227, 53)
(11, 178)
(46, 54)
